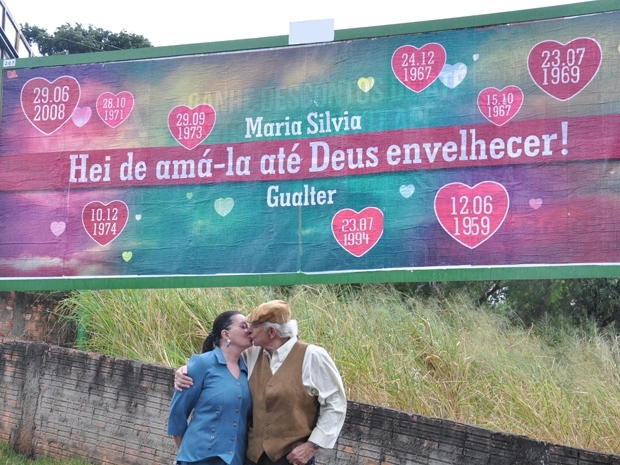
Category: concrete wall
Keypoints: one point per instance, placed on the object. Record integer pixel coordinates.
(61, 402)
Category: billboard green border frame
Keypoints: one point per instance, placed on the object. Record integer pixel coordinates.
(401, 275)
(394, 276)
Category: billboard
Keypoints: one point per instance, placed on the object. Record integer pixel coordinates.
(481, 147)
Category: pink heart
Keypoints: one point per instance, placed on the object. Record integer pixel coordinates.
(81, 116)
(471, 215)
(536, 203)
(357, 233)
(49, 105)
(104, 222)
(562, 71)
(191, 126)
(58, 227)
(417, 68)
(113, 109)
(500, 106)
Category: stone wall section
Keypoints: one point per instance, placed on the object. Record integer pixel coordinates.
(61, 402)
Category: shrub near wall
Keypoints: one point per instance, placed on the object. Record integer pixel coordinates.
(61, 403)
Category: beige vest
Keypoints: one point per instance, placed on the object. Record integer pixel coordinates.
(284, 414)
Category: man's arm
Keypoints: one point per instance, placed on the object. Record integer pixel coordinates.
(322, 379)
(181, 380)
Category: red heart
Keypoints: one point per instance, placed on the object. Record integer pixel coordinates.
(562, 71)
(113, 109)
(471, 215)
(417, 68)
(49, 105)
(357, 233)
(104, 222)
(500, 106)
(190, 126)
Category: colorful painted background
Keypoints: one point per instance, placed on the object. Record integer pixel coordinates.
(481, 147)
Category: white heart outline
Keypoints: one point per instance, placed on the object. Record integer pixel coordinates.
(564, 45)
(105, 205)
(358, 213)
(21, 101)
(133, 102)
(192, 109)
(445, 54)
(500, 91)
(472, 188)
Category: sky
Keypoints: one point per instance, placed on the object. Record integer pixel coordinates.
(197, 21)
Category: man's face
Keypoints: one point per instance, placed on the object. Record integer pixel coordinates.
(258, 335)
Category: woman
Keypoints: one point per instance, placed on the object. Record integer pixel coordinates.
(219, 398)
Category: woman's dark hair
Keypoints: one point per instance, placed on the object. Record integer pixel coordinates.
(222, 321)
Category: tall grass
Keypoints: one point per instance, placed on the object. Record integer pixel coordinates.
(9, 457)
(445, 358)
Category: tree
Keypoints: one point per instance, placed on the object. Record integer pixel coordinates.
(70, 39)
(596, 299)
(530, 301)
(600, 299)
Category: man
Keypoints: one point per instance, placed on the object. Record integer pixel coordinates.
(299, 403)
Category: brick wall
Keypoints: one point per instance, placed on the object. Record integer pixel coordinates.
(61, 402)
(29, 316)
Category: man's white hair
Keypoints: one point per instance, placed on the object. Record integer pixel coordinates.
(283, 330)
